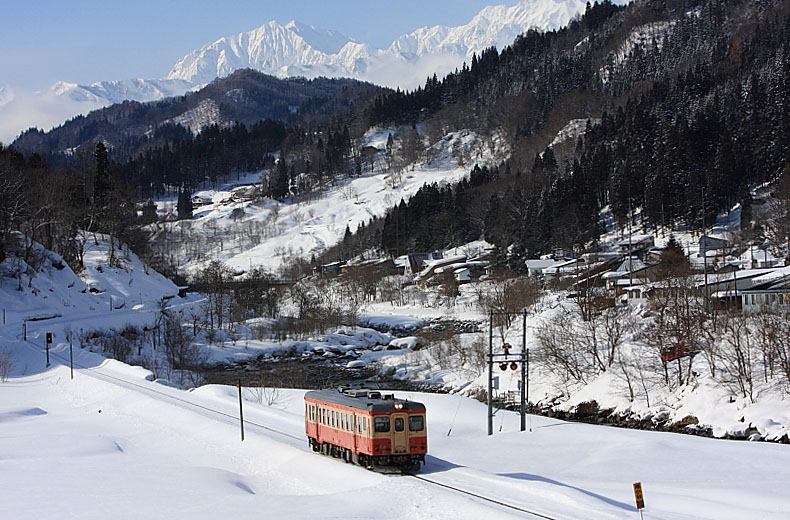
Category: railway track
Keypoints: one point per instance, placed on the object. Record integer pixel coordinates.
(482, 497)
(206, 411)
(229, 418)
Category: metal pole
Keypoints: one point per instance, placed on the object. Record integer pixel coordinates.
(523, 373)
(241, 413)
(71, 357)
(24, 329)
(490, 373)
(526, 382)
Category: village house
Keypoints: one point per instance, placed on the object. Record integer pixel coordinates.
(708, 243)
(768, 291)
(432, 266)
(416, 262)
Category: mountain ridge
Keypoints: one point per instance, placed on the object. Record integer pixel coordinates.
(296, 49)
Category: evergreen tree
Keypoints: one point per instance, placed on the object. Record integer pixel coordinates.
(184, 205)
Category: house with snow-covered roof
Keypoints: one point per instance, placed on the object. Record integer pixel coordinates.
(416, 262)
(770, 291)
(432, 266)
(710, 243)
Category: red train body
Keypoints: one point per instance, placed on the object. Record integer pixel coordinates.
(366, 428)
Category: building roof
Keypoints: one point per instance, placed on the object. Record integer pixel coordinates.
(743, 274)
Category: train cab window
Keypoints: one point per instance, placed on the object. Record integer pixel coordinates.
(381, 424)
(399, 424)
(364, 424)
(416, 423)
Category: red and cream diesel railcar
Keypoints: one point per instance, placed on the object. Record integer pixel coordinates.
(366, 427)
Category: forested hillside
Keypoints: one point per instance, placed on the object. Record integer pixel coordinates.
(688, 105)
(670, 110)
(245, 97)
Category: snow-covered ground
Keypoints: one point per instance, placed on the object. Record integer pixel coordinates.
(113, 442)
(110, 443)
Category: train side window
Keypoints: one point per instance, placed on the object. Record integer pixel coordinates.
(416, 423)
(365, 423)
(399, 424)
(381, 424)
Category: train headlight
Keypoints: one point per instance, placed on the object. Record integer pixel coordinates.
(398, 406)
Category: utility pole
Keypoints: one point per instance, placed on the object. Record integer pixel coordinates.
(490, 373)
(524, 379)
(241, 413)
(705, 255)
(630, 245)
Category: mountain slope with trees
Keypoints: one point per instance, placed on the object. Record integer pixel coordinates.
(687, 105)
(245, 97)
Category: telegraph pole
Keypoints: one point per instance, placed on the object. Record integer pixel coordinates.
(524, 372)
(490, 373)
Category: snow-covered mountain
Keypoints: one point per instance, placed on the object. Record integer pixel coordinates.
(296, 49)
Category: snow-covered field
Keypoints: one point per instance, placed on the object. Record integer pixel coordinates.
(111, 444)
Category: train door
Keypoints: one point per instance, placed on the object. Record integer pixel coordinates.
(400, 435)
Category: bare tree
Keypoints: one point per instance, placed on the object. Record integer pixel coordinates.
(737, 355)
(506, 295)
(6, 364)
(214, 280)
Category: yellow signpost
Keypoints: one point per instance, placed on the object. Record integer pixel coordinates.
(640, 498)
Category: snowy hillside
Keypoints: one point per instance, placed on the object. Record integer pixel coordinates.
(45, 288)
(248, 234)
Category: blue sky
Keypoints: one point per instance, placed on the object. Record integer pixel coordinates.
(84, 41)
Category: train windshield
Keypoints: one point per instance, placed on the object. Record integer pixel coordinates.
(416, 423)
(398, 424)
(381, 424)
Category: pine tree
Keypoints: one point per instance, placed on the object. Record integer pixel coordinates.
(102, 182)
(184, 206)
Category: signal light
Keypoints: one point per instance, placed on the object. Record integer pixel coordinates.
(513, 365)
(503, 366)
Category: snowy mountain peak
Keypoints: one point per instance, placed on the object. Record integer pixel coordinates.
(323, 40)
(301, 49)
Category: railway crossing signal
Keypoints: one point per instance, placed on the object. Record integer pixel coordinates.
(522, 360)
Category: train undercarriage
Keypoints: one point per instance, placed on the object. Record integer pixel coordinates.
(381, 463)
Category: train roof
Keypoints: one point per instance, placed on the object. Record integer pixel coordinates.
(370, 400)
